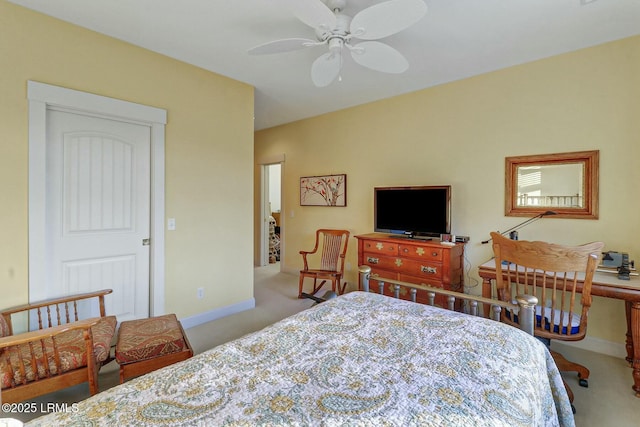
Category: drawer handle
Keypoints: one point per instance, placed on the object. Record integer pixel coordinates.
(435, 254)
(372, 260)
(428, 270)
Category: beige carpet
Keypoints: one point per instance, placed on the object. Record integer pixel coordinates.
(609, 400)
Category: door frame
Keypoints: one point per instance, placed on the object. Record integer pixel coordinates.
(263, 250)
(43, 96)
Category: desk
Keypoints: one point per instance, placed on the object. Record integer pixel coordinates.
(604, 285)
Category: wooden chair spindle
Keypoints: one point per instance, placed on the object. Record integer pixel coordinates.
(39, 318)
(58, 315)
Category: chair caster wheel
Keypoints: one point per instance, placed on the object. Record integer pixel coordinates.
(583, 383)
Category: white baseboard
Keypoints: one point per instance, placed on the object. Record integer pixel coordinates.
(217, 313)
(598, 345)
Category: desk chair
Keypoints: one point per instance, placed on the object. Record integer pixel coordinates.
(550, 272)
(327, 258)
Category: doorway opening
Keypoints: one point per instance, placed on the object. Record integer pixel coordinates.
(270, 215)
(274, 204)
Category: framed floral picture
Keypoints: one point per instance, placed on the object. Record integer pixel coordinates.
(325, 190)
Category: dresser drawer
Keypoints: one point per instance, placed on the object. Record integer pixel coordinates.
(376, 275)
(383, 248)
(389, 288)
(421, 252)
(404, 292)
(422, 295)
(381, 262)
(429, 281)
(427, 270)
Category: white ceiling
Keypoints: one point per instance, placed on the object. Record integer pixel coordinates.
(455, 40)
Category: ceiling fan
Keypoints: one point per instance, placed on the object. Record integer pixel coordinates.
(337, 31)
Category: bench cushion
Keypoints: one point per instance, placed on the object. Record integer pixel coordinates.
(103, 333)
(145, 339)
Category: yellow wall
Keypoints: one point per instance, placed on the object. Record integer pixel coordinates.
(459, 134)
(209, 153)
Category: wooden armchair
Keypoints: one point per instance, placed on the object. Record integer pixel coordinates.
(329, 253)
(549, 272)
(62, 352)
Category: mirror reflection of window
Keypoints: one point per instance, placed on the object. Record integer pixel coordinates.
(560, 185)
(565, 183)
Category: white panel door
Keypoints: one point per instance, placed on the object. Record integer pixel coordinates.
(98, 210)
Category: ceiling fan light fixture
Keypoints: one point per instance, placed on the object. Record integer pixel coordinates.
(337, 30)
(326, 68)
(335, 45)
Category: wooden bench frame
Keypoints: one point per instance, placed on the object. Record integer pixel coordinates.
(65, 318)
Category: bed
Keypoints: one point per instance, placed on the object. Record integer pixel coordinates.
(359, 359)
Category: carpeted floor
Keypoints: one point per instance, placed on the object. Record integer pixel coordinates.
(609, 400)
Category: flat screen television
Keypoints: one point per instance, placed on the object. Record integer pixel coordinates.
(416, 211)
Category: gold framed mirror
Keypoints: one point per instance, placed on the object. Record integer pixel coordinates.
(565, 183)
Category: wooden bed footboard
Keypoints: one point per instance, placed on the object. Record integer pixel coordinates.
(525, 307)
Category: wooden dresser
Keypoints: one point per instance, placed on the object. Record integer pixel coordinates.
(414, 261)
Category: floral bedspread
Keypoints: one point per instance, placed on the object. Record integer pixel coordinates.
(360, 359)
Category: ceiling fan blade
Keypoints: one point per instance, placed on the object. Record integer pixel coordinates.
(380, 57)
(326, 68)
(387, 18)
(279, 46)
(314, 13)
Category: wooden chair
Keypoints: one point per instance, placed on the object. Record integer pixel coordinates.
(329, 255)
(549, 272)
(62, 352)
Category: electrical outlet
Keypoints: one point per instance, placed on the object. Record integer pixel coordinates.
(348, 266)
(200, 293)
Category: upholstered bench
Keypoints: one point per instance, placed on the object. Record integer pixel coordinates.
(145, 345)
(66, 348)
